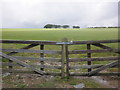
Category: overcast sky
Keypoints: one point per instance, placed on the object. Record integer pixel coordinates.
(37, 13)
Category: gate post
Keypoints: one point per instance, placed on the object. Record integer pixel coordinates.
(10, 67)
(63, 61)
(89, 56)
(42, 56)
(65, 40)
(67, 61)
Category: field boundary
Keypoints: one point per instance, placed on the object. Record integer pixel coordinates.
(65, 68)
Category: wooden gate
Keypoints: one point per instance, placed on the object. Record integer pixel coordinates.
(34, 62)
(89, 61)
(60, 58)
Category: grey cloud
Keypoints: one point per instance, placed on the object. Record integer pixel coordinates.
(23, 15)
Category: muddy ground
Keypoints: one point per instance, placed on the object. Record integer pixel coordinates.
(37, 81)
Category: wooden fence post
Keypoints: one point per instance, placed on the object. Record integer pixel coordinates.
(10, 67)
(67, 61)
(89, 56)
(42, 56)
(63, 61)
(65, 40)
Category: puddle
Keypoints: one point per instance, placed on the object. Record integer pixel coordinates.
(81, 85)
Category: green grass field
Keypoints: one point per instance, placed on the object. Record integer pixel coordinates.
(59, 34)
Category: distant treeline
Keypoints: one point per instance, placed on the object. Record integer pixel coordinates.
(59, 26)
(103, 27)
(75, 26)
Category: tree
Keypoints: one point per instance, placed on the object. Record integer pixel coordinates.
(48, 26)
(76, 27)
(65, 26)
(57, 26)
(52, 26)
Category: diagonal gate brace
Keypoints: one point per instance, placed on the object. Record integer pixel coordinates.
(21, 63)
(103, 67)
(104, 47)
(26, 47)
